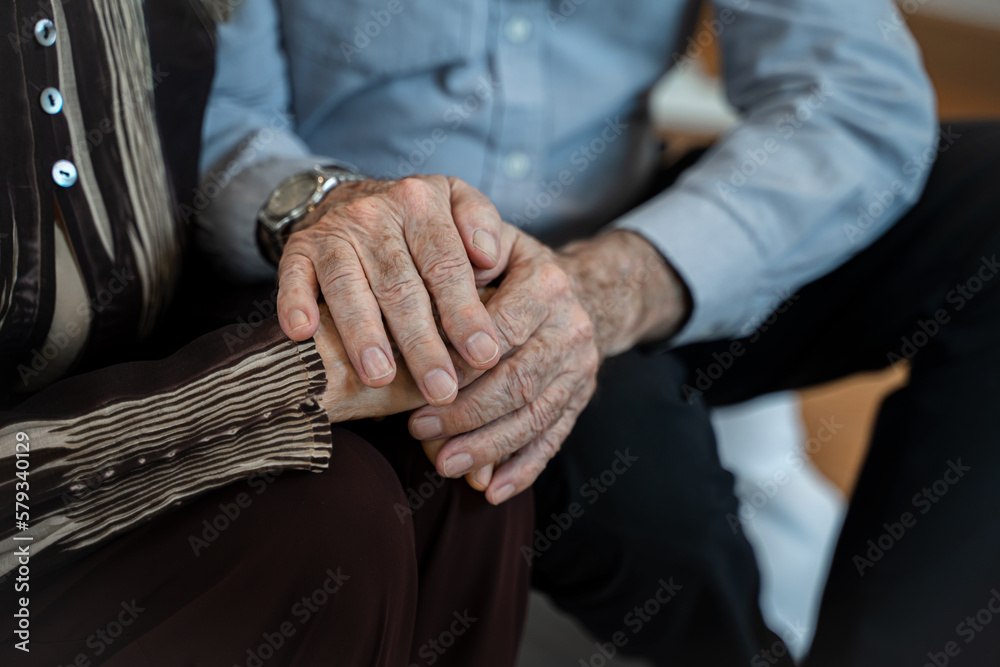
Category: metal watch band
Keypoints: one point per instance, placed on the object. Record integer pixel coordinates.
(272, 233)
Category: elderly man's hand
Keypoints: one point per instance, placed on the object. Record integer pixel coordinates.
(559, 315)
(393, 248)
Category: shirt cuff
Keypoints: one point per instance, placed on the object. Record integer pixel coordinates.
(135, 441)
(710, 250)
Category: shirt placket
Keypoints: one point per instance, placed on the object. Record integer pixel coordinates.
(518, 147)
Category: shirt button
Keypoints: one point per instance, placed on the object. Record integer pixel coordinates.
(517, 30)
(45, 32)
(52, 101)
(64, 173)
(517, 165)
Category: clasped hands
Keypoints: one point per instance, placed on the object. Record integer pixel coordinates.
(501, 382)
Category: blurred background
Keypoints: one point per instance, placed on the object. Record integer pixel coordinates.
(793, 532)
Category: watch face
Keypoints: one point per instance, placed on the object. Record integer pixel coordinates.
(292, 192)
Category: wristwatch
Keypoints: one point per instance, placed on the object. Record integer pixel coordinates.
(291, 201)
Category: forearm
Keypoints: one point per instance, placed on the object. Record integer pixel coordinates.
(632, 294)
(803, 182)
(113, 448)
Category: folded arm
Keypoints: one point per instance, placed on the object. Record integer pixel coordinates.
(108, 450)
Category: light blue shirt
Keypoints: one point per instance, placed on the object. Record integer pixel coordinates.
(542, 105)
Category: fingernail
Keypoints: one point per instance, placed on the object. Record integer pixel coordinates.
(439, 385)
(482, 348)
(425, 428)
(457, 465)
(375, 363)
(297, 320)
(503, 493)
(485, 242)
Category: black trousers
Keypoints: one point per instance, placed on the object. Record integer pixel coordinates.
(633, 536)
(375, 562)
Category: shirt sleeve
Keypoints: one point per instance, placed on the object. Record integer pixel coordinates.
(249, 143)
(104, 452)
(836, 139)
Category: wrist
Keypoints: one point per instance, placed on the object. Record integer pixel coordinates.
(632, 294)
(338, 196)
(292, 201)
(346, 397)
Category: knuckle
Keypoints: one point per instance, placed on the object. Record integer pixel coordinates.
(294, 269)
(533, 468)
(437, 183)
(395, 283)
(447, 269)
(470, 416)
(508, 441)
(521, 381)
(334, 248)
(400, 292)
(551, 445)
(357, 327)
(580, 332)
(562, 394)
(419, 341)
(510, 324)
(538, 416)
(553, 279)
(415, 193)
(338, 275)
(499, 448)
(390, 253)
(333, 253)
(460, 319)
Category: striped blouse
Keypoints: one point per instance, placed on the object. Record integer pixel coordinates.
(101, 107)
